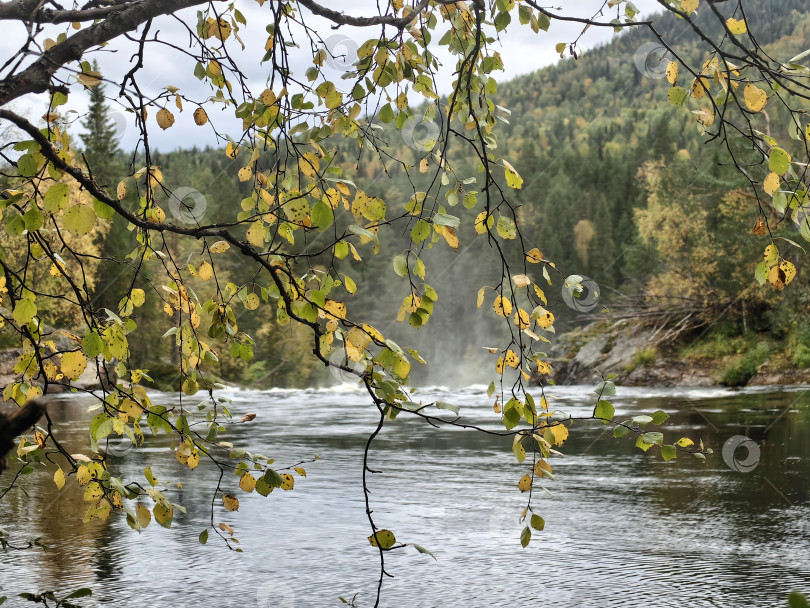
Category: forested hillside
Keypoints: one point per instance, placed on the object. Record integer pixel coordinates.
(619, 187)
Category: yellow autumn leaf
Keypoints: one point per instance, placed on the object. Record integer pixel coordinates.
(755, 98)
(73, 364)
(200, 117)
(544, 318)
(230, 502)
(534, 256)
(689, 6)
(245, 173)
(165, 118)
(287, 481)
(771, 183)
(384, 538)
(335, 310)
(247, 483)
(219, 247)
(513, 179)
(512, 360)
(309, 164)
(59, 478)
(560, 432)
(205, 271)
(672, 72)
(736, 26)
(143, 515)
(83, 475)
(525, 483)
(521, 319)
(499, 365)
(450, 237)
(502, 306)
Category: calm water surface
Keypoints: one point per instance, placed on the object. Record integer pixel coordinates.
(623, 528)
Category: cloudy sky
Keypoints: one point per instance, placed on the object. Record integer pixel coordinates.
(523, 51)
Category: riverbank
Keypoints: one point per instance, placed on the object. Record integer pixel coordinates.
(633, 352)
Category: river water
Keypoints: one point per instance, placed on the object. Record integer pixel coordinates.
(623, 528)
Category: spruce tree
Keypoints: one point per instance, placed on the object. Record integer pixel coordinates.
(101, 138)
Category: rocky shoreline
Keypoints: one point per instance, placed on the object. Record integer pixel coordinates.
(629, 350)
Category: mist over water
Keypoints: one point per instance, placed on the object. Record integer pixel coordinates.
(623, 528)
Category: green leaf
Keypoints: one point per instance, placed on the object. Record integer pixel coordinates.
(56, 198)
(15, 226)
(654, 438)
(443, 405)
(491, 389)
(605, 410)
(506, 228)
(659, 417)
(80, 219)
(779, 161)
(537, 522)
(83, 592)
(642, 420)
(34, 220)
(386, 114)
(24, 311)
(640, 443)
(401, 265)
(27, 166)
(677, 95)
(420, 231)
(421, 549)
(103, 210)
(443, 219)
(668, 452)
(513, 179)
(605, 388)
(204, 536)
(322, 215)
(525, 537)
(797, 600)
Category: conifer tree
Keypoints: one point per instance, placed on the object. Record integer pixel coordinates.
(101, 137)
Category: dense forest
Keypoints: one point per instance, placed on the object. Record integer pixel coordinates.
(619, 186)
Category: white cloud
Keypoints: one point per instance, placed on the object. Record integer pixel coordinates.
(167, 64)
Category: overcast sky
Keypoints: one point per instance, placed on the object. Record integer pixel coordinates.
(522, 50)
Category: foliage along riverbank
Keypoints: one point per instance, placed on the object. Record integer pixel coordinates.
(719, 355)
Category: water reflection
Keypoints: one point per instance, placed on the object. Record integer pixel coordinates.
(623, 528)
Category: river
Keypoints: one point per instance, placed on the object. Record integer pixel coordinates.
(623, 528)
